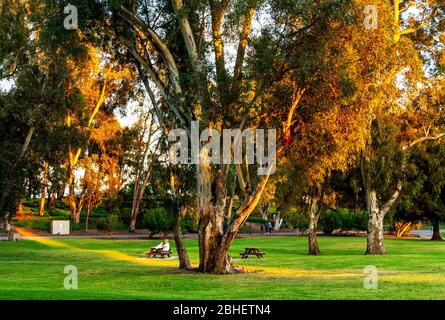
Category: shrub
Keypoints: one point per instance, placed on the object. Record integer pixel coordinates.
(125, 214)
(57, 213)
(330, 221)
(115, 211)
(259, 220)
(158, 220)
(108, 223)
(99, 212)
(344, 220)
(42, 224)
(299, 221)
(404, 228)
(188, 224)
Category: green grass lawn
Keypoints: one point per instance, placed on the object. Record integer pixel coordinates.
(113, 269)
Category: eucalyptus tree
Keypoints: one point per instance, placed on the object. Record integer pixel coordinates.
(426, 202)
(412, 55)
(182, 48)
(332, 123)
(31, 99)
(426, 114)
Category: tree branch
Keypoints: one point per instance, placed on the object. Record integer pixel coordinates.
(192, 51)
(157, 41)
(157, 81)
(217, 13)
(245, 31)
(385, 208)
(423, 139)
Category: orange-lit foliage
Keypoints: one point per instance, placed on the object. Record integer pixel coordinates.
(99, 82)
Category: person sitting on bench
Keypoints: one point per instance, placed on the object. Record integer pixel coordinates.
(164, 246)
(159, 246)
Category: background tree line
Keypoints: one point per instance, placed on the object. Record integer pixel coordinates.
(358, 110)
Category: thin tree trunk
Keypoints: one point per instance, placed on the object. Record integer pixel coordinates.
(314, 214)
(79, 207)
(139, 189)
(136, 208)
(27, 141)
(133, 217)
(71, 187)
(19, 211)
(436, 231)
(265, 210)
(44, 186)
(88, 212)
(7, 223)
(75, 207)
(184, 262)
(72, 202)
(52, 201)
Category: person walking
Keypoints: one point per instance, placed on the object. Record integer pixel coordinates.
(269, 227)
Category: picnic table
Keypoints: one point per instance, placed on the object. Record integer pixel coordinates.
(252, 252)
(157, 252)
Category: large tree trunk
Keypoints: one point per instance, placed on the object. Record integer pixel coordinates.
(376, 212)
(214, 241)
(44, 186)
(211, 200)
(375, 243)
(184, 262)
(314, 214)
(376, 215)
(436, 231)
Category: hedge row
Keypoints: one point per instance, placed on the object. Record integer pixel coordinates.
(343, 220)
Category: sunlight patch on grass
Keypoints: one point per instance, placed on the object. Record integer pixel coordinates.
(410, 277)
(109, 254)
(46, 241)
(116, 255)
(298, 273)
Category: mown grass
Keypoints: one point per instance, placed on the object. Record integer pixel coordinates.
(114, 269)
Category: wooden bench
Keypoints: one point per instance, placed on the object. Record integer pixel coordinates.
(252, 252)
(157, 252)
